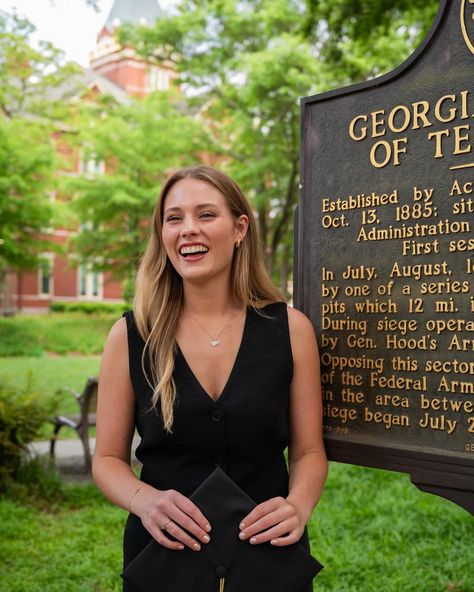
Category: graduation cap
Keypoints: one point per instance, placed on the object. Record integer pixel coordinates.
(226, 563)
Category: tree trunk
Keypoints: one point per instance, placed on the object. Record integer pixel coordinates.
(284, 272)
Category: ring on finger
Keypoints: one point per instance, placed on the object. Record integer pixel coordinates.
(163, 526)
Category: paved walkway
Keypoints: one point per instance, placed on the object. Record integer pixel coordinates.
(69, 456)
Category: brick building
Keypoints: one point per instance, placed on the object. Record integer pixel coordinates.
(115, 70)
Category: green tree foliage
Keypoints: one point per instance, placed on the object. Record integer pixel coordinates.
(137, 144)
(29, 75)
(358, 40)
(27, 155)
(26, 167)
(246, 63)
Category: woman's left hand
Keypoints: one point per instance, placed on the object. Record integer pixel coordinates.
(275, 520)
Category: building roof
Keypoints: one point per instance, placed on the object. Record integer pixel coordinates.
(78, 83)
(136, 12)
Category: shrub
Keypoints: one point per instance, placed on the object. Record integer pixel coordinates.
(90, 307)
(36, 483)
(18, 339)
(22, 413)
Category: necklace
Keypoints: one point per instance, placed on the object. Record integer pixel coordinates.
(215, 340)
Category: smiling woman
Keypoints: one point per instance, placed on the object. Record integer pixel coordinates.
(214, 370)
(198, 227)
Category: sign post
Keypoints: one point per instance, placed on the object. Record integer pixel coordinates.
(384, 253)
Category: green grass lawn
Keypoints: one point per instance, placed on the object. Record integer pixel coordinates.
(55, 332)
(372, 530)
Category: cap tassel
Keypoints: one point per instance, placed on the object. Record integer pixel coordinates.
(221, 584)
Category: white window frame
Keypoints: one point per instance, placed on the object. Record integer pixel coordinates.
(89, 283)
(91, 167)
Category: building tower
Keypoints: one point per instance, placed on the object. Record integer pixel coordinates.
(121, 64)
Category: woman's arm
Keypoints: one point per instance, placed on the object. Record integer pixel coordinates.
(111, 465)
(278, 520)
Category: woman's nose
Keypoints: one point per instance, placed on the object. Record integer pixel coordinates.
(189, 226)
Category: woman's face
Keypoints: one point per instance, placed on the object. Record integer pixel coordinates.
(199, 231)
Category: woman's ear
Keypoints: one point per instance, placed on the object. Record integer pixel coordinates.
(241, 226)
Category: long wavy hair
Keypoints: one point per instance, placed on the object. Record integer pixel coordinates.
(159, 289)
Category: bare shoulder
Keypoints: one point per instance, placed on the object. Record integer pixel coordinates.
(114, 366)
(299, 324)
(302, 337)
(117, 336)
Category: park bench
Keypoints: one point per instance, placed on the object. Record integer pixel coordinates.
(80, 422)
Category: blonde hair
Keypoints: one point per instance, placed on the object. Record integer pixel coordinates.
(159, 289)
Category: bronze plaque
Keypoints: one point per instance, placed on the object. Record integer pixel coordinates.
(385, 260)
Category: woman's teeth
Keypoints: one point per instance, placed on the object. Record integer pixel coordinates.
(193, 250)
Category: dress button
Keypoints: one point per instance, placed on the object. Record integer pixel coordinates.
(216, 415)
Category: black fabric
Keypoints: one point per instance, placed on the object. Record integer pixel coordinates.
(245, 431)
(244, 567)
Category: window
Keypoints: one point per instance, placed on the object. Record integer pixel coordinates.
(45, 271)
(92, 165)
(157, 79)
(90, 282)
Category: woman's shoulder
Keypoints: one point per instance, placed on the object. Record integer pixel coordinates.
(118, 331)
(299, 324)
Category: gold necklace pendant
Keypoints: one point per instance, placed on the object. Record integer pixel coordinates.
(215, 342)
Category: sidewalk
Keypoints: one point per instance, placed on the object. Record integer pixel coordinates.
(69, 456)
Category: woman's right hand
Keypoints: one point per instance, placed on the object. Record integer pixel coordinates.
(170, 512)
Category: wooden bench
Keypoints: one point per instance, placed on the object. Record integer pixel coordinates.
(80, 422)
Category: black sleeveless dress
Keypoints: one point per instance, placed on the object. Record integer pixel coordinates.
(245, 431)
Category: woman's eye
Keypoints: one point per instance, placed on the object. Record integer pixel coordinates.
(207, 215)
(172, 218)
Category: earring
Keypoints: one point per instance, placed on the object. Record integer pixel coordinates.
(237, 243)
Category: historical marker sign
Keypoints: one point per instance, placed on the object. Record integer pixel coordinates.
(385, 261)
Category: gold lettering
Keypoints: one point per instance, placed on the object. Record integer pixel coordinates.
(439, 106)
(362, 130)
(438, 143)
(420, 109)
(392, 116)
(458, 138)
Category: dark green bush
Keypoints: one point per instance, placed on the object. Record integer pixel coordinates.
(36, 483)
(22, 413)
(89, 307)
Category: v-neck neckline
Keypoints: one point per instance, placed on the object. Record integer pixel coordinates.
(232, 370)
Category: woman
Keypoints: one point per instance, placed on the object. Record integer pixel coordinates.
(212, 368)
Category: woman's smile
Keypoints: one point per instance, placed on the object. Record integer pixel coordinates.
(191, 252)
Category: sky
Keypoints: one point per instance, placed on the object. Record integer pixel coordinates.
(71, 25)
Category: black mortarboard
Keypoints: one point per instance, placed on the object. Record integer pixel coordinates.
(225, 563)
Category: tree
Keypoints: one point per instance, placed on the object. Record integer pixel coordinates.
(246, 63)
(28, 119)
(28, 76)
(137, 144)
(26, 169)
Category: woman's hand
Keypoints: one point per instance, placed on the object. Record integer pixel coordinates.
(275, 520)
(170, 512)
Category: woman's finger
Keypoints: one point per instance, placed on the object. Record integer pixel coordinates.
(182, 536)
(262, 510)
(289, 539)
(159, 535)
(283, 529)
(187, 507)
(187, 523)
(279, 515)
